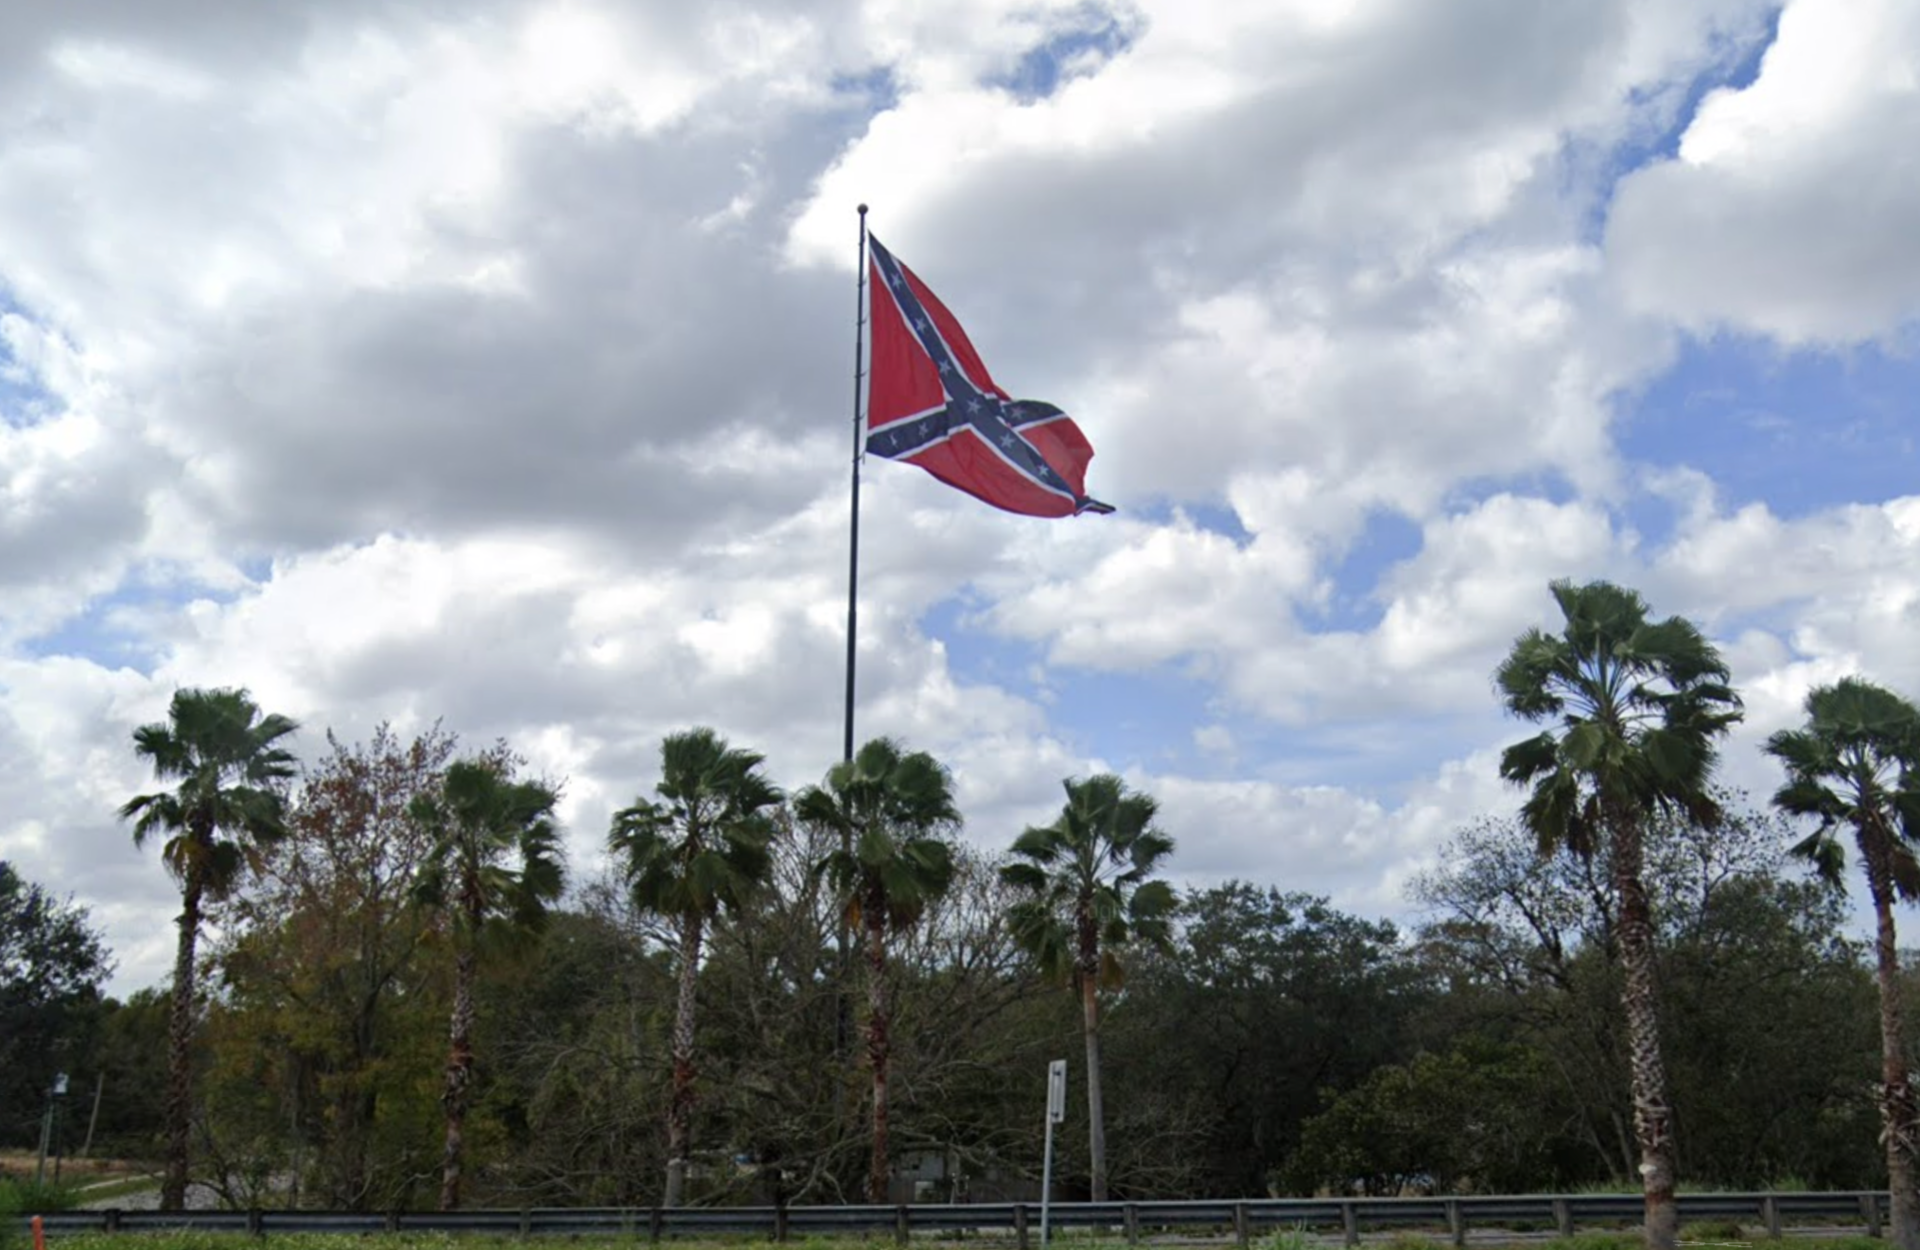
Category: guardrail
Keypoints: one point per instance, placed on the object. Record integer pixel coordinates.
(1561, 1214)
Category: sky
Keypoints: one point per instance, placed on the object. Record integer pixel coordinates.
(491, 363)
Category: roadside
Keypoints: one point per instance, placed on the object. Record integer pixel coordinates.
(93, 1183)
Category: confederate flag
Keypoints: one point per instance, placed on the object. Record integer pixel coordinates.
(932, 403)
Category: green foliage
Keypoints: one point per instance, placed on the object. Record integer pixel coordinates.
(52, 962)
(1465, 1121)
(24, 1197)
(576, 1025)
(1086, 883)
(1855, 765)
(1259, 1040)
(1296, 997)
(226, 807)
(229, 766)
(892, 812)
(1768, 1012)
(496, 860)
(703, 845)
(328, 969)
(1638, 705)
(129, 1049)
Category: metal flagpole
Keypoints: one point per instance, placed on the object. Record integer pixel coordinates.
(843, 939)
(853, 545)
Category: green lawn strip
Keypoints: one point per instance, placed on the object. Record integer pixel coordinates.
(101, 1191)
(455, 1241)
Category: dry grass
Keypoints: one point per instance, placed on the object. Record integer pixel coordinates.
(22, 1164)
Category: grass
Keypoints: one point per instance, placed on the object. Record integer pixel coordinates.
(1286, 1239)
(24, 1197)
(78, 1171)
(102, 1191)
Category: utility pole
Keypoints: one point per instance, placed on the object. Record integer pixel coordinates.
(93, 1121)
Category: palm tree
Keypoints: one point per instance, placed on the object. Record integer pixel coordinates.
(495, 865)
(228, 805)
(1636, 708)
(892, 812)
(702, 847)
(1089, 893)
(1856, 764)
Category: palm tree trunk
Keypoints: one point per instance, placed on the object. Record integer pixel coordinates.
(1897, 1107)
(1652, 1114)
(1087, 969)
(1096, 1113)
(843, 967)
(879, 1044)
(680, 1107)
(459, 1085)
(173, 1188)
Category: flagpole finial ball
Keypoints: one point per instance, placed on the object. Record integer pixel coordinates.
(863, 210)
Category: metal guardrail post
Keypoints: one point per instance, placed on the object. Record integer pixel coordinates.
(390, 1222)
(113, 1219)
(1870, 1211)
(900, 1233)
(780, 1222)
(655, 1218)
(1132, 1214)
(1241, 1233)
(256, 1224)
(1456, 1222)
(1350, 1223)
(1563, 1217)
(1020, 1225)
(1770, 1213)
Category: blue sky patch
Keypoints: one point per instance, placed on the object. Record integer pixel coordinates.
(1121, 716)
(1799, 431)
(1097, 37)
(976, 655)
(1734, 63)
(876, 91)
(1213, 518)
(1124, 717)
(118, 630)
(1387, 539)
(23, 401)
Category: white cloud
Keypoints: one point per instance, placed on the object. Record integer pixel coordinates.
(490, 362)
(1789, 208)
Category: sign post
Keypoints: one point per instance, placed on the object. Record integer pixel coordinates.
(55, 1091)
(1056, 1112)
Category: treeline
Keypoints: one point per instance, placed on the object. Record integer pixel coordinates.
(1280, 1045)
(831, 996)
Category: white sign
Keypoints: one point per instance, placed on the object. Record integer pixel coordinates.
(1056, 1112)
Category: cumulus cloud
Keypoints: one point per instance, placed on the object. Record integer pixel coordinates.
(1789, 207)
(490, 362)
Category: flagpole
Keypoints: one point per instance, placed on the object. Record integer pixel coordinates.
(843, 937)
(853, 545)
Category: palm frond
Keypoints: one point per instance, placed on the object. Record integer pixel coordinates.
(1095, 861)
(1855, 735)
